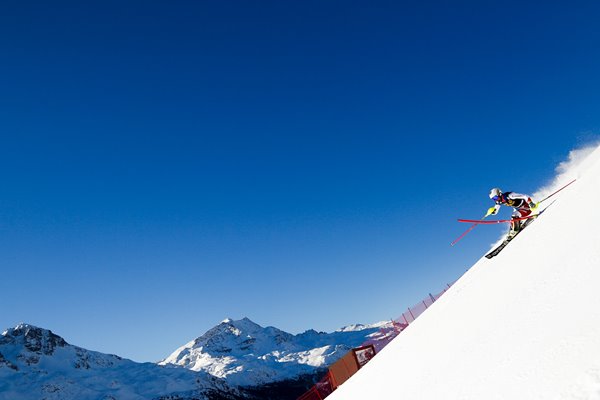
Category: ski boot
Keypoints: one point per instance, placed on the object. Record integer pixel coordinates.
(515, 228)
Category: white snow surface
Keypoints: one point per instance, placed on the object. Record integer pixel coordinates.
(247, 354)
(523, 325)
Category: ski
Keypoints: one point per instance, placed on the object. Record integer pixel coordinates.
(506, 241)
(498, 249)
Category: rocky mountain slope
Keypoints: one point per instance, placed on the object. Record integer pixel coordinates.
(38, 364)
(247, 354)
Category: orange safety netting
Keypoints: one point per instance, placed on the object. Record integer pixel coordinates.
(349, 364)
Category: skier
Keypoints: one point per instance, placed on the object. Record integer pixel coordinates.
(523, 207)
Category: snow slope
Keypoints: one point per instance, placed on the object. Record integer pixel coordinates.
(523, 325)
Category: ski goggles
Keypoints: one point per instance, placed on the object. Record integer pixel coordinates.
(496, 198)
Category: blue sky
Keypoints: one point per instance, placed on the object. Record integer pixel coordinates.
(166, 165)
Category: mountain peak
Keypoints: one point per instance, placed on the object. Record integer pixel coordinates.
(238, 322)
(21, 327)
(33, 338)
(245, 353)
(231, 327)
(36, 363)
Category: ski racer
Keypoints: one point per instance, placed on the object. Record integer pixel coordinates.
(523, 207)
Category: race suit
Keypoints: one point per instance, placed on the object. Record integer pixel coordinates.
(520, 203)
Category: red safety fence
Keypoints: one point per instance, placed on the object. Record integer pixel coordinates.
(349, 364)
(322, 389)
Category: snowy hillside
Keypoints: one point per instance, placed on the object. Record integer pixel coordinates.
(523, 325)
(246, 354)
(37, 364)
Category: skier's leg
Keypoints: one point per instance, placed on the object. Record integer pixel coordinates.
(515, 224)
(526, 213)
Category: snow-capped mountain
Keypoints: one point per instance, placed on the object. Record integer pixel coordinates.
(247, 354)
(38, 364)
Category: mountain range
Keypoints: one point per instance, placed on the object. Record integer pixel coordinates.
(234, 360)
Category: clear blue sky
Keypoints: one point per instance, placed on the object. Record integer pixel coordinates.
(165, 165)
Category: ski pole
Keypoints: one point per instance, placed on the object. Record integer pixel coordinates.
(468, 230)
(463, 235)
(547, 197)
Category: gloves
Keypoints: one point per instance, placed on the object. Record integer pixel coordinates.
(533, 205)
(492, 211)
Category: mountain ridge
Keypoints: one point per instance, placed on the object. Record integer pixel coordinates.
(36, 363)
(247, 354)
(245, 361)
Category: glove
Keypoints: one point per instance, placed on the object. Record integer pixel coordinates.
(492, 211)
(533, 205)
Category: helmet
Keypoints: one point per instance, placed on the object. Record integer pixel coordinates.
(495, 193)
